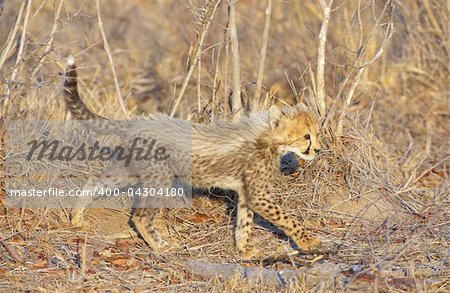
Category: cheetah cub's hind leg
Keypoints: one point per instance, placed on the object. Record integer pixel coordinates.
(77, 212)
(144, 220)
(146, 209)
(243, 227)
(77, 217)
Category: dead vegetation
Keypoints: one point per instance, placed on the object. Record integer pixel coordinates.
(379, 196)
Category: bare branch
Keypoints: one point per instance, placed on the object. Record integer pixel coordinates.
(19, 57)
(362, 65)
(12, 36)
(263, 52)
(320, 73)
(111, 62)
(49, 43)
(208, 16)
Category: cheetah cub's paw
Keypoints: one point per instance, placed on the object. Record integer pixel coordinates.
(248, 253)
(309, 243)
(157, 245)
(162, 246)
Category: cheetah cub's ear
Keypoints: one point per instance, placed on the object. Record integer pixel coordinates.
(274, 116)
(292, 111)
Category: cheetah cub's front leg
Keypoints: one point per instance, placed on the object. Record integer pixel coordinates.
(275, 214)
(260, 202)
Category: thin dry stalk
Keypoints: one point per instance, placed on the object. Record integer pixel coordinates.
(263, 53)
(215, 82)
(49, 43)
(199, 86)
(207, 17)
(225, 67)
(320, 73)
(83, 257)
(37, 11)
(236, 104)
(111, 61)
(16, 69)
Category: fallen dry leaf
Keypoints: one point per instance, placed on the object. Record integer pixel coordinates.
(41, 264)
(122, 244)
(124, 262)
(199, 218)
(121, 262)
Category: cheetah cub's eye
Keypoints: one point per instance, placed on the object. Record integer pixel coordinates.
(307, 137)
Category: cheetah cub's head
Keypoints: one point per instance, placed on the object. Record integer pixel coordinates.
(295, 129)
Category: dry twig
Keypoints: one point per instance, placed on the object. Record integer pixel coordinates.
(49, 42)
(111, 61)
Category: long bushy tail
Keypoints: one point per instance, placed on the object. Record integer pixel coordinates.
(72, 99)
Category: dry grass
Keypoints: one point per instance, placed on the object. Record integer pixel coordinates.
(379, 196)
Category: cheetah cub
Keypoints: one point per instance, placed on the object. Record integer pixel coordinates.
(242, 156)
